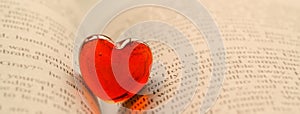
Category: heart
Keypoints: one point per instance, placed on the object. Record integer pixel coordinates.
(114, 73)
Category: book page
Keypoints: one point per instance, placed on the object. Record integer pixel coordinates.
(263, 37)
(36, 50)
(261, 40)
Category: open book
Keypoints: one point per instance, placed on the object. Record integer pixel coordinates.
(262, 53)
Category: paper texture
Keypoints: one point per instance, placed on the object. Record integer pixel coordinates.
(36, 46)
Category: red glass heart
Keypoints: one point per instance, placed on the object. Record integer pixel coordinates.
(114, 73)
